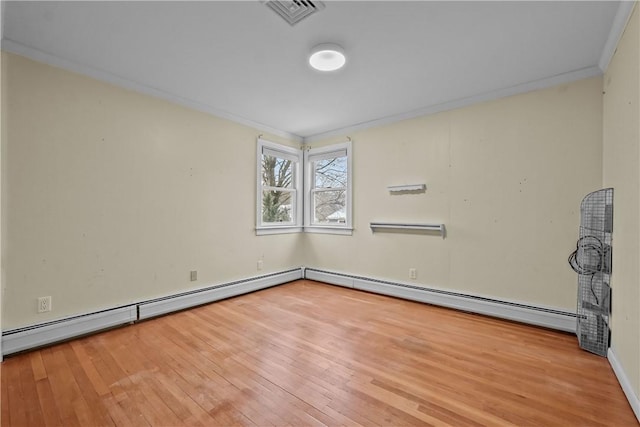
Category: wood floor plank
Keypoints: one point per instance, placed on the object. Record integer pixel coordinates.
(199, 376)
(16, 410)
(60, 380)
(5, 415)
(30, 393)
(47, 403)
(190, 360)
(122, 408)
(89, 369)
(309, 354)
(90, 396)
(115, 412)
(37, 366)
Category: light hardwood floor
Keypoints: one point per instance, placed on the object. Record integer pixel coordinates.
(309, 354)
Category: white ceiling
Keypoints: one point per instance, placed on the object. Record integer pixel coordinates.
(241, 61)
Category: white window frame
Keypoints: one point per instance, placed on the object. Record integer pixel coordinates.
(319, 153)
(294, 226)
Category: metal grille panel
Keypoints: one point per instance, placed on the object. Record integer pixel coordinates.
(592, 261)
(294, 11)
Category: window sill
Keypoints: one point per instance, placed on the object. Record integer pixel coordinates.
(345, 231)
(318, 229)
(286, 229)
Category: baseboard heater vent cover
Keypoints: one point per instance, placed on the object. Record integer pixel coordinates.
(534, 315)
(21, 339)
(177, 302)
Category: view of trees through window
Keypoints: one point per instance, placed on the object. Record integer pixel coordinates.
(278, 189)
(329, 190)
(299, 189)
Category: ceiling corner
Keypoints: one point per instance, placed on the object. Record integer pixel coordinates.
(617, 28)
(2, 14)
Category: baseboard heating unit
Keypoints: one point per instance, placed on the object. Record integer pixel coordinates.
(26, 338)
(34, 336)
(21, 339)
(539, 316)
(177, 302)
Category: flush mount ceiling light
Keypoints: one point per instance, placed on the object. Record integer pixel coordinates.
(327, 57)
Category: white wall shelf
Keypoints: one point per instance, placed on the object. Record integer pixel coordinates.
(407, 187)
(381, 226)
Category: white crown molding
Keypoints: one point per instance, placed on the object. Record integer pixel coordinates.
(2, 18)
(617, 29)
(37, 55)
(464, 102)
(105, 76)
(627, 388)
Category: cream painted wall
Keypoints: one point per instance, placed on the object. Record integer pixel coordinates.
(112, 197)
(621, 140)
(506, 177)
(2, 128)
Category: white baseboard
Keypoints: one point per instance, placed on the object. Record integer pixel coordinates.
(632, 397)
(539, 316)
(158, 307)
(34, 336)
(328, 277)
(17, 340)
(59, 330)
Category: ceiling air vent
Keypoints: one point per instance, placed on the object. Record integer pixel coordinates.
(296, 10)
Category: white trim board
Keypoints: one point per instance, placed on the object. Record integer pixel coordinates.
(59, 330)
(37, 55)
(460, 103)
(615, 34)
(632, 397)
(105, 76)
(158, 307)
(38, 335)
(26, 338)
(539, 316)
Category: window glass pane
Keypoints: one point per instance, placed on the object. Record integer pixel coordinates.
(330, 173)
(277, 206)
(277, 172)
(329, 207)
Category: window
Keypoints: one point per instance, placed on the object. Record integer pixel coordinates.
(279, 183)
(328, 189)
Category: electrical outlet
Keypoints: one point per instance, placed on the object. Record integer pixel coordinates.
(413, 273)
(260, 264)
(44, 304)
(194, 275)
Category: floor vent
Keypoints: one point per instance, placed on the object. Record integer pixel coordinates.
(296, 10)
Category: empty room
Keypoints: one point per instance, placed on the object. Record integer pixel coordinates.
(320, 213)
